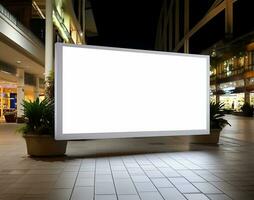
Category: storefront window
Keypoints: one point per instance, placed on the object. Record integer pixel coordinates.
(252, 58)
(251, 81)
(252, 98)
(230, 86)
(241, 61)
(8, 99)
(233, 101)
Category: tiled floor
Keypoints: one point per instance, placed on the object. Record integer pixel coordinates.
(175, 171)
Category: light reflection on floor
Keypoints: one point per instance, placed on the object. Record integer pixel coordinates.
(172, 170)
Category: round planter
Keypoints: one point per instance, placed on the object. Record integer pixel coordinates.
(10, 118)
(44, 145)
(212, 138)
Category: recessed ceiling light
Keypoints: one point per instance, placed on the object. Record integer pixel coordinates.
(18, 61)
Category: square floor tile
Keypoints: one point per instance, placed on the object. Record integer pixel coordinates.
(196, 197)
(83, 193)
(104, 188)
(171, 193)
(187, 188)
(128, 197)
(161, 182)
(145, 187)
(125, 186)
(207, 188)
(150, 196)
(85, 182)
(105, 197)
(191, 176)
(138, 178)
(154, 174)
(178, 180)
(103, 178)
(218, 197)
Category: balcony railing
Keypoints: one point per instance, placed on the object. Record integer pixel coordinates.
(232, 73)
(10, 17)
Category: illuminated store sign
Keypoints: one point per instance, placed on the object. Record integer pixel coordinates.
(114, 93)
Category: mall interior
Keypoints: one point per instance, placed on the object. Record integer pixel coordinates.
(156, 168)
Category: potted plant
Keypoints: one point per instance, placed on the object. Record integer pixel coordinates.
(247, 110)
(217, 123)
(10, 116)
(228, 111)
(38, 130)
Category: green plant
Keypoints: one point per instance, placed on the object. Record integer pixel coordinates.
(217, 120)
(39, 117)
(228, 110)
(50, 86)
(247, 109)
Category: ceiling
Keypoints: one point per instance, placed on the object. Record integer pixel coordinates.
(10, 56)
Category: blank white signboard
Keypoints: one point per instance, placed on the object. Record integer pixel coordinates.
(114, 93)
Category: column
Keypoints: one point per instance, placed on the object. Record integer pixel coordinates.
(20, 92)
(249, 60)
(217, 95)
(84, 18)
(186, 25)
(79, 10)
(217, 98)
(165, 28)
(49, 38)
(37, 88)
(2, 106)
(186, 46)
(170, 37)
(246, 97)
(170, 24)
(176, 23)
(229, 18)
(246, 93)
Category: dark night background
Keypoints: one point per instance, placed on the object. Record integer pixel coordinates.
(133, 23)
(124, 23)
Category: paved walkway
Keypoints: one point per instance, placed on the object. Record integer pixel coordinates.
(174, 171)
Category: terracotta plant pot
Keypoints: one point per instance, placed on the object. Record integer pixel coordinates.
(212, 138)
(44, 145)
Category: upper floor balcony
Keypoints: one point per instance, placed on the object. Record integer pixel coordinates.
(20, 48)
(232, 73)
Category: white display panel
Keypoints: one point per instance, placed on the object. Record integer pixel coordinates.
(114, 93)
